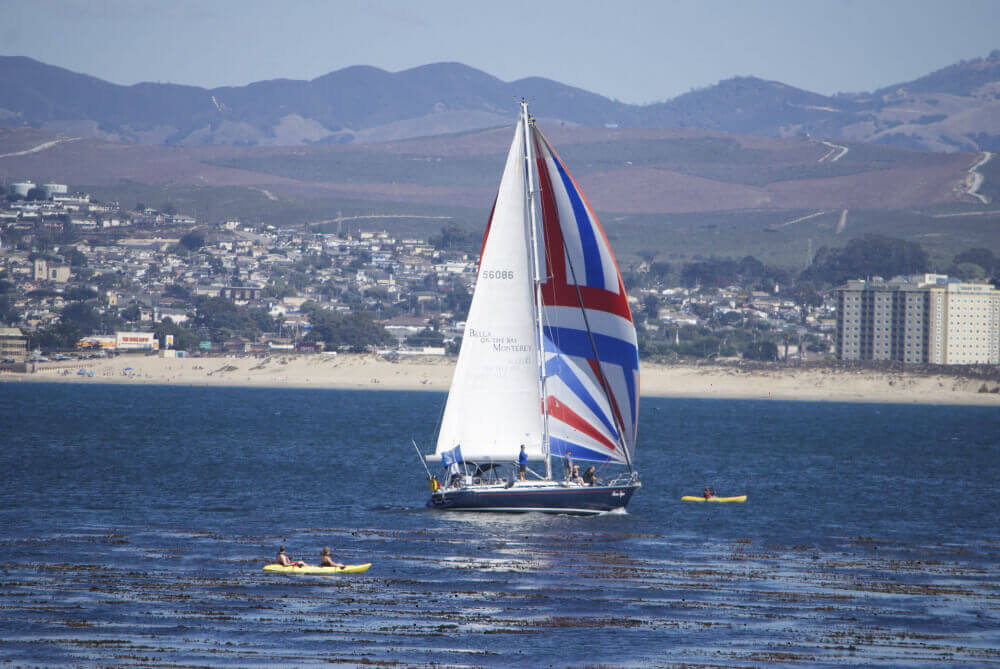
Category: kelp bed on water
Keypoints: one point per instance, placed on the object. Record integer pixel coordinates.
(196, 598)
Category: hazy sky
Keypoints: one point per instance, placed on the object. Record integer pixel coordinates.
(634, 50)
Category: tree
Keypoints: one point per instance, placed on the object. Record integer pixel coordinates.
(648, 255)
(8, 312)
(651, 307)
(69, 235)
(83, 316)
(968, 271)
(761, 350)
(871, 255)
(218, 312)
(107, 280)
(318, 261)
(426, 337)
(131, 313)
(177, 292)
(278, 288)
(35, 193)
(356, 330)
(362, 258)
(730, 318)
(81, 294)
(262, 320)
(455, 238)
(806, 296)
(193, 240)
(980, 256)
(457, 300)
(184, 338)
(75, 258)
(711, 272)
(660, 270)
(63, 335)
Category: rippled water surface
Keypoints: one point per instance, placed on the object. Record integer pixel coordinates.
(136, 520)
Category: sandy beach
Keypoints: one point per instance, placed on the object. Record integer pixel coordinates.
(424, 373)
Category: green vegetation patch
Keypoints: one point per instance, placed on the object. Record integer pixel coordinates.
(376, 167)
(603, 156)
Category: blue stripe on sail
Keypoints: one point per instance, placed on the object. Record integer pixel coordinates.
(559, 447)
(612, 350)
(594, 268)
(573, 342)
(558, 367)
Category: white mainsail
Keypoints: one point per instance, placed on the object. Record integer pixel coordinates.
(494, 404)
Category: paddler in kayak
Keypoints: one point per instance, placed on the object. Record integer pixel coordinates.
(707, 492)
(326, 561)
(283, 559)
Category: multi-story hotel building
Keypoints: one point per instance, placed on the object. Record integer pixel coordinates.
(13, 344)
(925, 318)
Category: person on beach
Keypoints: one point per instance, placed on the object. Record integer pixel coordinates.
(326, 561)
(522, 461)
(707, 492)
(590, 476)
(284, 560)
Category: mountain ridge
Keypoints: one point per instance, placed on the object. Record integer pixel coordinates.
(956, 108)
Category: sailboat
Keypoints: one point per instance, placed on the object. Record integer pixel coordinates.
(548, 361)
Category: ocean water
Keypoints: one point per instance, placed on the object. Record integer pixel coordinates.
(135, 522)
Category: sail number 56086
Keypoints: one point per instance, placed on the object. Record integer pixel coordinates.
(496, 274)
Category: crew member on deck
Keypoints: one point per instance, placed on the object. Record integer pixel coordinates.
(456, 475)
(568, 464)
(707, 492)
(522, 461)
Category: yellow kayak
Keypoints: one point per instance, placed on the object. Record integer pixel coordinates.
(312, 569)
(699, 498)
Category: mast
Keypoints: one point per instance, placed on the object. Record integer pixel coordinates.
(529, 156)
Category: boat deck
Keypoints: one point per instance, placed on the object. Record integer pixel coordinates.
(542, 496)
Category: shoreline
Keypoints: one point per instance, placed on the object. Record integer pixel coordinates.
(367, 372)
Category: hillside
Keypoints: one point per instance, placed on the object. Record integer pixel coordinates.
(954, 109)
(683, 191)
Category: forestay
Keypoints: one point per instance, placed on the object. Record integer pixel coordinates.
(494, 404)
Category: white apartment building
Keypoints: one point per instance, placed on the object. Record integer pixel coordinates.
(924, 318)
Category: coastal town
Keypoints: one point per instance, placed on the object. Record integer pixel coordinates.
(75, 272)
(81, 278)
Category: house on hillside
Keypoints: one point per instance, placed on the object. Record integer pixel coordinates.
(47, 270)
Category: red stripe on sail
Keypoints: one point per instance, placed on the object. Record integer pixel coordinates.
(486, 233)
(555, 252)
(603, 379)
(596, 225)
(560, 411)
(557, 291)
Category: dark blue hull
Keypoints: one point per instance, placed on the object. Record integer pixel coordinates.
(554, 498)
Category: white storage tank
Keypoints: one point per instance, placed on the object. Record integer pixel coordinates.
(55, 189)
(22, 187)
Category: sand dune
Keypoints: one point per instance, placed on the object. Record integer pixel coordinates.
(421, 373)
